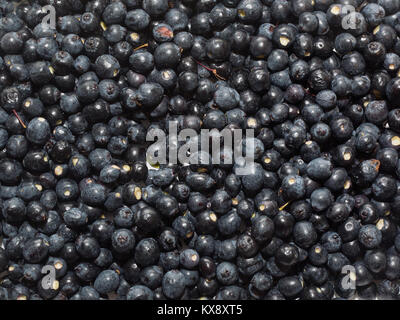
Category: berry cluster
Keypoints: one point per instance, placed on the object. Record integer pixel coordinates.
(86, 215)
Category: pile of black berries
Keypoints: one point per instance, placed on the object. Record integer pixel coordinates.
(85, 214)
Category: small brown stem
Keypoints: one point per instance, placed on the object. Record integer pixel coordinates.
(285, 205)
(19, 118)
(141, 47)
(214, 71)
